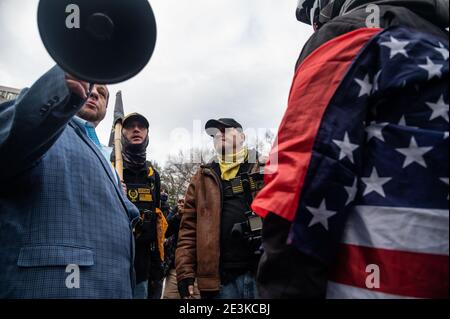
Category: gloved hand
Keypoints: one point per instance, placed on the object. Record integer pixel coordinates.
(186, 288)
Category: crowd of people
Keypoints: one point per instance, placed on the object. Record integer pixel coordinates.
(220, 254)
(351, 203)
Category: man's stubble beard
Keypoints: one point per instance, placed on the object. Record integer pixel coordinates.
(227, 150)
(90, 116)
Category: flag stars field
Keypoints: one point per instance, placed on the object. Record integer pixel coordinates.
(414, 153)
(434, 70)
(440, 109)
(351, 191)
(366, 86)
(375, 130)
(443, 51)
(374, 183)
(396, 47)
(320, 215)
(346, 148)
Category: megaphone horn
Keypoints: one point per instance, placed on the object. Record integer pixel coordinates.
(113, 41)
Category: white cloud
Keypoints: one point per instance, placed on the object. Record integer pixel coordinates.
(220, 58)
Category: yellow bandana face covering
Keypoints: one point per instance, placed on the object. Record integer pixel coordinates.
(229, 166)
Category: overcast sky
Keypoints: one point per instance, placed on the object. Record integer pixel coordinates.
(213, 58)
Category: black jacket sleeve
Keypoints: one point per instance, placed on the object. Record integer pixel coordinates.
(284, 272)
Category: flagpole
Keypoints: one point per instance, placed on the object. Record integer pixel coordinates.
(115, 140)
(118, 148)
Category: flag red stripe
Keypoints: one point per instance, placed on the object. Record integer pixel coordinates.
(315, 83)
(401, 273)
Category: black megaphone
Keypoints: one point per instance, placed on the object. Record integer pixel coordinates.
(98, 41)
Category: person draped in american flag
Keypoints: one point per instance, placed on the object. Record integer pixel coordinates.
(356, 202)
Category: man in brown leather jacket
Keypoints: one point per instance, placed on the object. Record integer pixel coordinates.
(216, 243)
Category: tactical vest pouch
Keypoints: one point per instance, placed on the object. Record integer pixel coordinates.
(255, 183)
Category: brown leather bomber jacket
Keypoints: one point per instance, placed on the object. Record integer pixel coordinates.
(198, 250)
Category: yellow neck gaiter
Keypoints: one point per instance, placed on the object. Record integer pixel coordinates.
(229, 166)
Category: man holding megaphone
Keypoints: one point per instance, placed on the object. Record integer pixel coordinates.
(65, 223)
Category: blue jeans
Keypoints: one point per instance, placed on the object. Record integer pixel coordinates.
(141, 290)
(243, 287)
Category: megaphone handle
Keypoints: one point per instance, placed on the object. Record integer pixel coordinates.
(91, 87)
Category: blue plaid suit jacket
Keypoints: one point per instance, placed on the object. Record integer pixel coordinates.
(60, 203)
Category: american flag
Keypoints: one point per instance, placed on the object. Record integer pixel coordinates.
(361, 163)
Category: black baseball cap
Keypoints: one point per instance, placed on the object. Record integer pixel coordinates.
(135, 117)
(212, 126)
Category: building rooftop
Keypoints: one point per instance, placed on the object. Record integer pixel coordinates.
(8, 93)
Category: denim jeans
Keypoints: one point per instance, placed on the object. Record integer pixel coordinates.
(141, 290)
(243, 287)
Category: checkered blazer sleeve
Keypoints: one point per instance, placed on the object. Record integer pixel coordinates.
(32, 123)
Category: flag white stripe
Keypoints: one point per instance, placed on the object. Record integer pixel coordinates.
(340, 291)
(396, 228)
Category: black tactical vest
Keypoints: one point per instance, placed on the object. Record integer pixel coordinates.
(141, 187)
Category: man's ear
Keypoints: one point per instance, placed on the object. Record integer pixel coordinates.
(243, 138)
